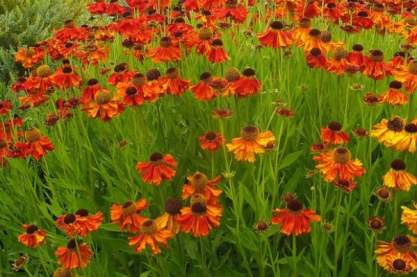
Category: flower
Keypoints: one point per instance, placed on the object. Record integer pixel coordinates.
(408, 76)
(132, 92)
(65, 78)
(333, 134)
(389, 132)
(246, 85)
(202, 90)
(200, 217)
(376, 223)
(251, 142)
(199, 183)
(103, 106)
(127, 216)
(409, 218)
(294, 220)
(337, 164)
(398, 178)
(383, 193)
(216, 53)
(153, 234)
(275, 36)
(173, 82)
(63, 272)
(87, 223)
(160, 167)
(169, 218)
(400, 248)
(35, 145)
(211, 141)
(75, 255)
(166, 52)
(393, 96)
(33, 237)
(374, 66)
(29, 57)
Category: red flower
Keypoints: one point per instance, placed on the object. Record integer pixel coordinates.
(294, 220)
(160, 167)
(275, 36)
(36, 145)
(75, 255)
(211, 141)
(34, 237)
(65, 78)
(166, 52)
(217, 54)
(333, 134)
(173, 82)
(247, 85)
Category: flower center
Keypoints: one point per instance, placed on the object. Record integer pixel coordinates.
(138, 80)
(32, 229)
(412, 68)
(377, 55)
(153, 74)
(232, 74)
(129, 208)
(250, 133)
(211, 136)
(82, 212)
(199, 180)
(72, 244)
(156, 157)
(130, 91)
(205, 34)
(402, 243)
(261, 226)
(342, 155)
(43, 71)
(69, 218)
(173, 206)
(33, 135)
(335, 126)
(411, 128)
(399, 264)
(398, 165)
(395, 125)
(395, 85)
(249, 72)
(276, 25)
(148, 227)
(103, 97)
(294, 205)
(92, 82)
(198, 208)
(165, 42)
(67, 70)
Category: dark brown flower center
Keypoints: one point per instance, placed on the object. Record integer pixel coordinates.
(376, 223)
(92, 82)
(72, 244)
(156, 157)
(166, 42)
(173, 206)
(395, 85)
(357, 48)
(211, 136)
(198, 208)
(67, 70)
(82, 212)
(120, 67)
(153, 74)
(398, 164)
(250, 132)
(32, 229)
(315, 52)
(261, 226)
(399, 264)
(130, 91)
(383, 193)
(314, 33)
(335, 126)
(217, 42)
(402, 243)
(395, 125)
(249, 72)
(377, 55)
(341, 155)
(294, 205)
(205, 76)
(276, 25)
(69, 218)
(411, 128)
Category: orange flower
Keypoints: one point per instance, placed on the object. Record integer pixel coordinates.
(397, 177)
(75, 255)
(389, 254)
(5, 107)
(132, 92)
(200, 217)
(65, 78)
(314, 41)
(174, 84)
(216, 53)
(68, 224)
(29, 57)
(168, 219)
(408, 76)
(153, 234)
(300, 34)
(87, 223)
(199, 183)
(120, 74)
(333, 134)
(154, 87)
(202, 90)
(247, 85)
(337, 165)
(315, 59)
(34, 237)
(105, 106)
(160, 167)
(250, 143)
(394, 96)
(211, 141)
(36, 144)
(338, 64)
(275, 36)
(294, 220)
(166, 52)
(375, 67)
(127, 216)
(409, 218)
